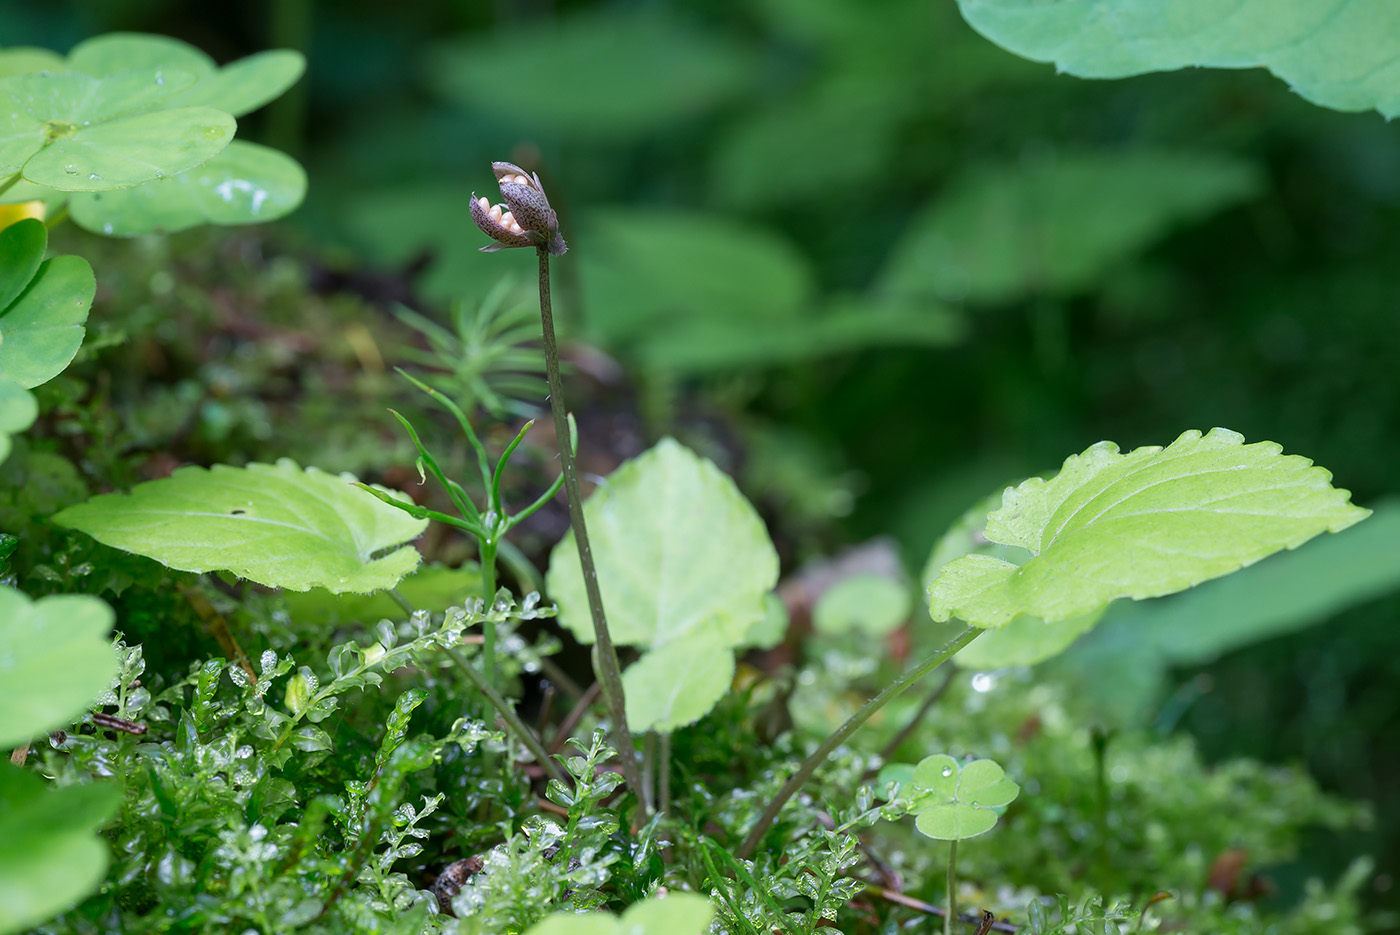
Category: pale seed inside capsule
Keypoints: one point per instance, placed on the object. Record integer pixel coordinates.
(485, 205)
(507, 219)
(496, 212)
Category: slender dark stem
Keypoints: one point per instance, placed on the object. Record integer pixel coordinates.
(519, 727)
(605, 658)
(842, 733)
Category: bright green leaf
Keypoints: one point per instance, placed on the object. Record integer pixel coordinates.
(41, 328)
(1009, 231)
(20, 60)
(244, 184)
(677, 913)
(1337, 53)
(75, 132)
(869, 604)
(678, 550)
(50, 854)
(770, 629)
(678, 683)
(430, 587)
(238, 88)
(55, 658)
(18, 410)
(601, 76)
(952, 803)
(1142, 524)
(274, 524)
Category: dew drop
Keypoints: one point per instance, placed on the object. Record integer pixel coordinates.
(93, 177)
(160, 79)
(947, 771)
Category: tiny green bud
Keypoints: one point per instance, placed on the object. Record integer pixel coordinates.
(525, 219)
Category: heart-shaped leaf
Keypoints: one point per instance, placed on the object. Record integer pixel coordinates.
(1143, 524)
(678, 683)
(50, 854)
(952, 803)
(41, 326)
(55, 658)
(1338, 54)
(274, 524)
(244, 184)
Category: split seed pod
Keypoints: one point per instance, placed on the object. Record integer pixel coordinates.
(524, 220)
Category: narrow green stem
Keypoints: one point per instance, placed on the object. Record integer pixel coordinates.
(488, 594)
(663, 777)
(9, 183)
(605, 659)
(842, 733)
(952, 912)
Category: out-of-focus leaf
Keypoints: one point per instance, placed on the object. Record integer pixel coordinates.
(678, 550)
(1009, 231)
(869, 604)
(1337, 53)
(18, 410)
(50, 854)
(678, 683)
(1146, 523)
(606, 75)
(55, 658)
(244, 184)
(275, 524)
(238, 88)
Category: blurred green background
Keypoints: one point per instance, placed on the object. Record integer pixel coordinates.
(879, 268)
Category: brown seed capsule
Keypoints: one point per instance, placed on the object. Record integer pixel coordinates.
(524, 220)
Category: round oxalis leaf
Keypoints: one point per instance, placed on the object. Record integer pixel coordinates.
(244, 184)
(952, 802)
(41, 325)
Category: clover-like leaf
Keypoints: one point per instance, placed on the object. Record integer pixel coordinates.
(677, 913)
(76, 132)
(1335, 53)
(1010, 231)
(55, 658)
(951, 803)
(43, 305)
(18, 410)
(244, 184)
(1143, 524)
(238, 88)
(274, 524)
(678, 550)
(678, 683)
(50, 854)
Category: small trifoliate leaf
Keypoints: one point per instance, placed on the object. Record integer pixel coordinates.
(1149, 522)
(50, 854)
(951, 802)
(678, 550)
(274, 524)
(1337, 54)
(678, 683)
(55, 658)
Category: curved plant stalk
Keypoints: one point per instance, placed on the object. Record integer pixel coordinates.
(842, 733)
(605, 656)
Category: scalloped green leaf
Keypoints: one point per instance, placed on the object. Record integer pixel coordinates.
(238, 88)
(678, 683)
(76, 132)
(605, 75)
(1008, 231)
(952, 802)
(1143, 524)
(50, 853)
(20, 60)
(244, 184)
(678, 551)
(1336, 53)
(41, 327)
(278, 525)
(55, 658)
